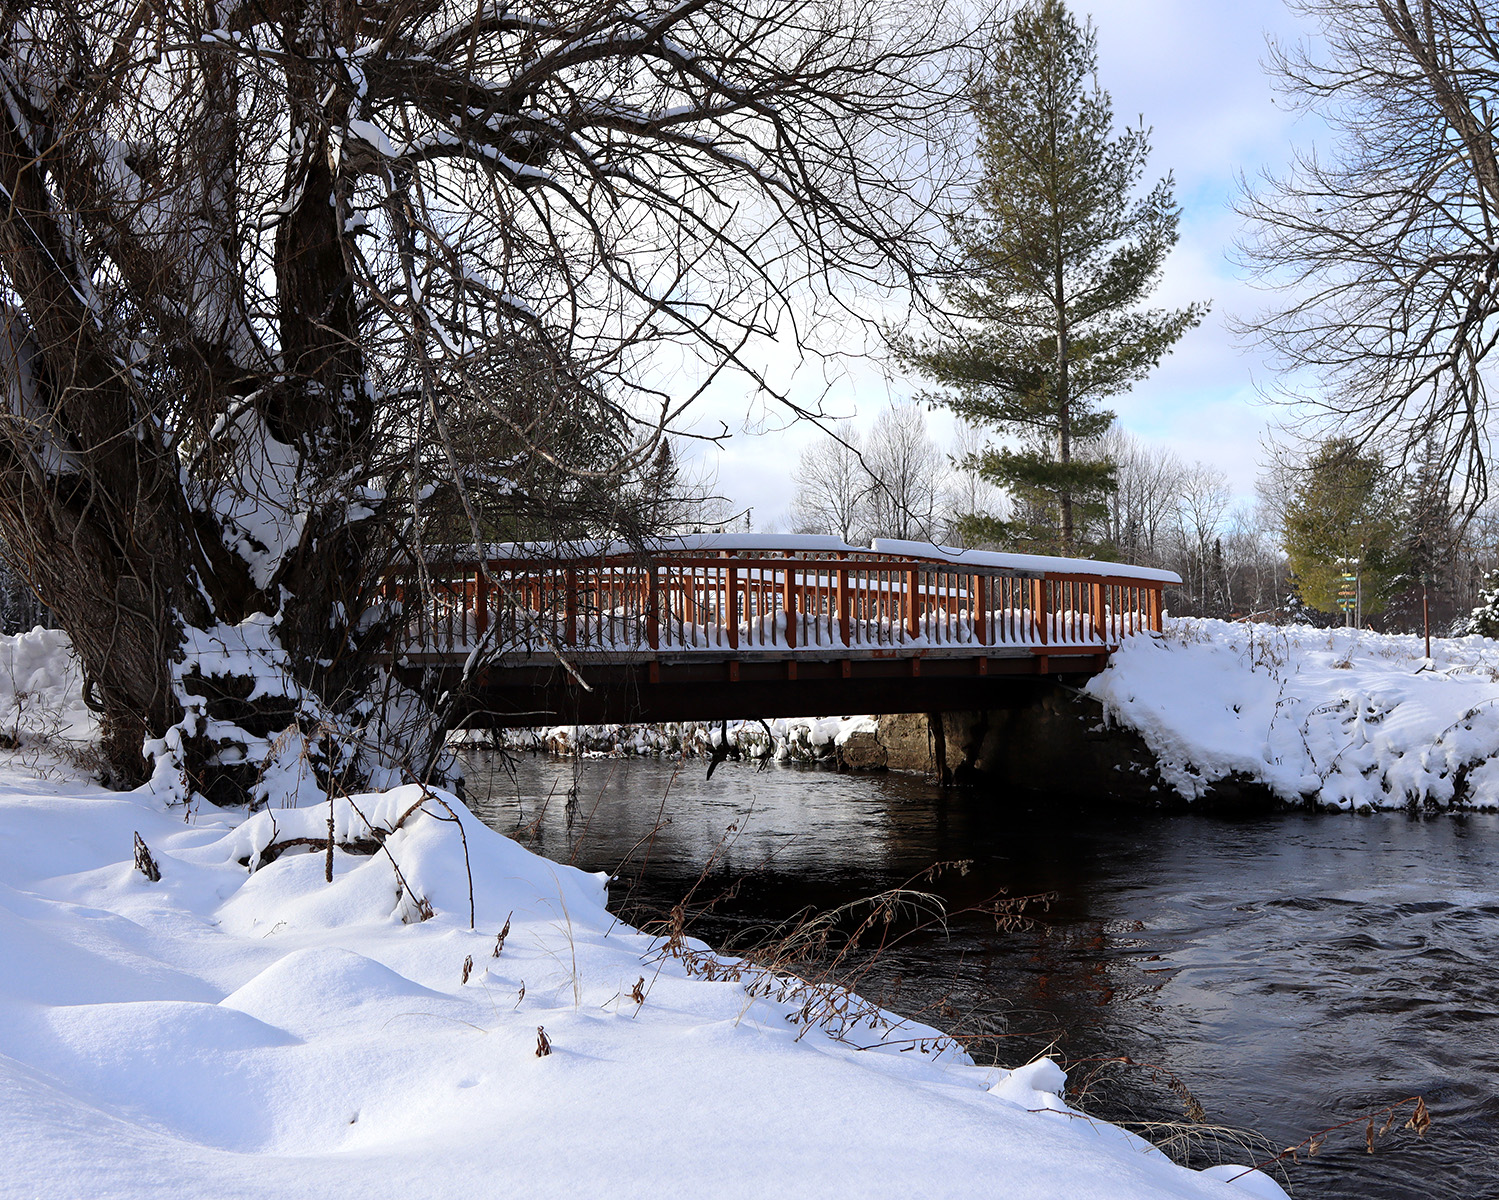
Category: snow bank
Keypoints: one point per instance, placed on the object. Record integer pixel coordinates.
(1341, 718)
(41, 690)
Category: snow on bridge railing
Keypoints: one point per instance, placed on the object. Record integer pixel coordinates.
(746, 594)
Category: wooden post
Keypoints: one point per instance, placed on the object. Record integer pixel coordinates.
(913, 601)
(652, 610)
(981, 609)
(788, 602)
(1426, 610)
(1038, 610)
(481, 601)
(570, 605)
(1098, 623)
(732, 601)
(843, 599)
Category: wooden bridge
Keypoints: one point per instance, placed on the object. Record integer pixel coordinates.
(714, 626)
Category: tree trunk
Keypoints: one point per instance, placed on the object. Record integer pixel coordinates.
(264, 259)
(1064, 408)
(89, 496)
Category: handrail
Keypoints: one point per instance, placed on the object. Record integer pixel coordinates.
(770, 599)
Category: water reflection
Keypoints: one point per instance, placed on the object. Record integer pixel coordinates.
(1293, 970)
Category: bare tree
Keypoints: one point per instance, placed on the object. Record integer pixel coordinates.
(1150, 480)
(833, 487)
(1384, 248)
(1254, 565)
(1477, 559)
(20, 610)
(969, 495)
(265, 264)
(908, 474)
(1197, 527)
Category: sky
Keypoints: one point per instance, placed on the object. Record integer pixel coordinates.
(1193, 70)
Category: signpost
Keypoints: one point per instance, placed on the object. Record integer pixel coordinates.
(1350, 592)
(1348, 598)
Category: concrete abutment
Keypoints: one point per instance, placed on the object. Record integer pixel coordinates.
(1049, 738)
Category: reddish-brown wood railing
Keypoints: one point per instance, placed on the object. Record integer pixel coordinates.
(752, 602)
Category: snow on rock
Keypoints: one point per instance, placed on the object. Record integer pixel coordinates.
(1035, 1086)
(1342, 718)
(235, 1033)
(785, 739)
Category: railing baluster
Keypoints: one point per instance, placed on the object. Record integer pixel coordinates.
(732, 598)
(823, 602)
(570, 606)
(788, 603)
(653, 611)
(843, 599)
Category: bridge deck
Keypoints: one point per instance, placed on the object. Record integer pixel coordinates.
(707, 631)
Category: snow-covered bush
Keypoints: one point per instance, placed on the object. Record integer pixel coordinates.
(1484, 619)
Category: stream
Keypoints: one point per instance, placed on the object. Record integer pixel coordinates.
(1286, 972)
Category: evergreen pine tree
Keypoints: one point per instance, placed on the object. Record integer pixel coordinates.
(1430, 537)
(1342, 522)
(1056, 261)
(1484, 619)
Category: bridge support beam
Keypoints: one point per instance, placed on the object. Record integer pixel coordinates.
(709, 687)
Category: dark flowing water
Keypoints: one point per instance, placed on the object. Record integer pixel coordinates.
(1290, 971)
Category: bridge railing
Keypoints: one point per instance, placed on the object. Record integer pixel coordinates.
(765, 600)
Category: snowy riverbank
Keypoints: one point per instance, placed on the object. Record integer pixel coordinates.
(240, 1027)
(1337, 718)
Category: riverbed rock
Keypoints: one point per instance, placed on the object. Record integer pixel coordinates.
(863, 751)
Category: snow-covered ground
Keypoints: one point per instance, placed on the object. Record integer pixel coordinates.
(243, 1028)
(1340, 718)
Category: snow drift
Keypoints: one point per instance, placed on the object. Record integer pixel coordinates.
(1339, 718)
